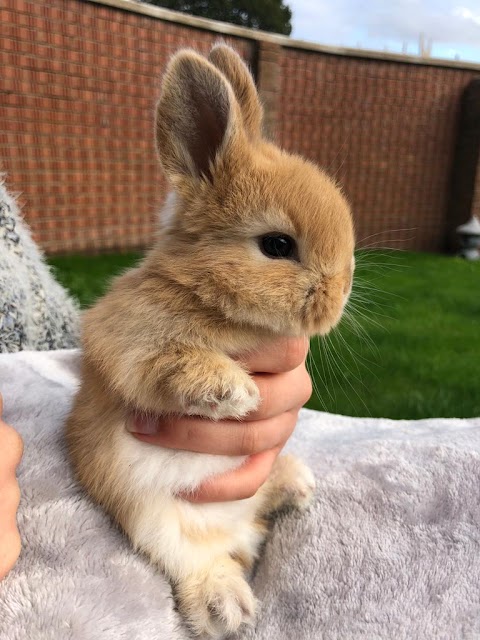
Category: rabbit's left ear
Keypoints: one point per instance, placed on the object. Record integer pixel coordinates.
(197, 118)
(236, 71)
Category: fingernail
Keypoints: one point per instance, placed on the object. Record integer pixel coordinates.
(143, 423)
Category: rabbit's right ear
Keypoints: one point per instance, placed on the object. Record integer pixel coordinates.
(197, 118)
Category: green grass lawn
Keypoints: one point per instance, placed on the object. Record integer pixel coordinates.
(409, 346)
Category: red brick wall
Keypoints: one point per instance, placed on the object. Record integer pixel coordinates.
(78, 84)
(387, 130)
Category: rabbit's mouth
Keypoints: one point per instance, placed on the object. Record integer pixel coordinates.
(324, 304)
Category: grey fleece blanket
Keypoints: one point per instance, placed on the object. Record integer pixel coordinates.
(389, 549)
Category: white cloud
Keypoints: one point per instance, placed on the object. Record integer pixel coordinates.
(465, 13)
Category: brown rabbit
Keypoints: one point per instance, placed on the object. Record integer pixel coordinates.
(255, 243)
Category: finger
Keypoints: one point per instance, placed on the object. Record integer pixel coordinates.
(280, 392)
(10, 500)
(239, 484)
(1, 405)
(12, 448)
(228, 437)
(278, 356)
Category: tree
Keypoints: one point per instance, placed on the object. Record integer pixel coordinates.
(267, 15)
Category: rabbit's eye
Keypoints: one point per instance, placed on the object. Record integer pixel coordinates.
(278, 245)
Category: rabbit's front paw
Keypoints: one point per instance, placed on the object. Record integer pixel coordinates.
(230, 395)
(217, 605)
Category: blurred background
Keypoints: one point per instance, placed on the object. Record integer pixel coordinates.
(386, 98)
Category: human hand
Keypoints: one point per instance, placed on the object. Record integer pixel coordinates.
(11, 449)
(284, 385)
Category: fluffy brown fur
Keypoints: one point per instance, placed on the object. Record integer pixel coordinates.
(164, 337)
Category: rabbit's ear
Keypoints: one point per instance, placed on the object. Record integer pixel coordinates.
(197, 117)
(237, 73)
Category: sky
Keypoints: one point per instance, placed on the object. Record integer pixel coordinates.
(452, 26)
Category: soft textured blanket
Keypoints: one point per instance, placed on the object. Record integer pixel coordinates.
(389, 549)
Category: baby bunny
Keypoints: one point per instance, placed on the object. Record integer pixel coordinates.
(256, 243)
